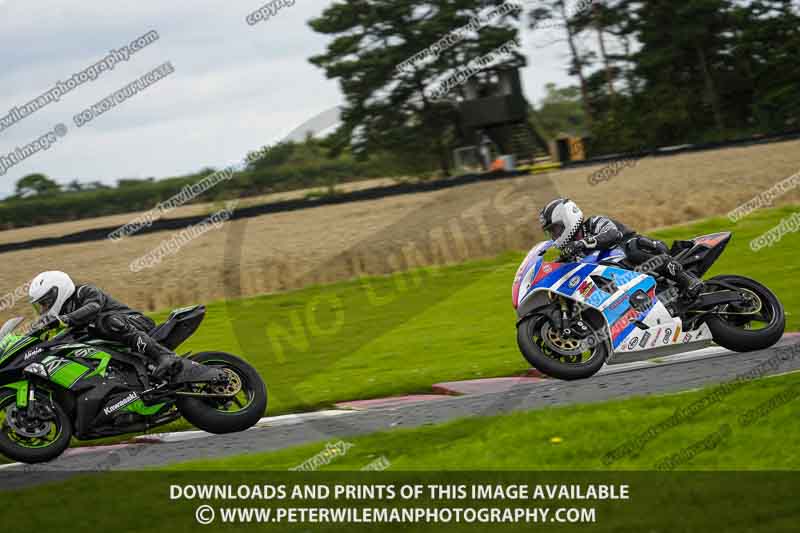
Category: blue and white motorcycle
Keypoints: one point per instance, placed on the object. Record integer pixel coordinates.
(576, 316)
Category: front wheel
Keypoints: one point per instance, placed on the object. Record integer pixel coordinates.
(756, 324)
(557, 355)
(35, 434)
(239, 411)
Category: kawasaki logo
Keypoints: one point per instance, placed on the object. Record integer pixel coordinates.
(130, 398)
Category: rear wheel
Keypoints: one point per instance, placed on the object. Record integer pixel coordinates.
(33, 434)
(243, 406)
(558, 355)
(755, 324)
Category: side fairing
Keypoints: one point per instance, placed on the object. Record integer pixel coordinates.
(64, 372)
(609, 290)
(635, 317)
(12, 344)
(527, 272)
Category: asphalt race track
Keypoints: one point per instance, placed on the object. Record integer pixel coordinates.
(679, 373)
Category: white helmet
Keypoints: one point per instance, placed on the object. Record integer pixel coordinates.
(561, 218)
(49, 290)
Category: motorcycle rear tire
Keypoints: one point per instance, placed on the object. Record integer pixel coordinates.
(736, 338)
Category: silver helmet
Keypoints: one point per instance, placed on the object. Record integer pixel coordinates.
(561, 219)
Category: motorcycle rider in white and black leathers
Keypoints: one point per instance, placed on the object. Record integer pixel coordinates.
(56, 299)
(575, 236)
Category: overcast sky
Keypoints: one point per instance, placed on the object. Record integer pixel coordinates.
(235, 87)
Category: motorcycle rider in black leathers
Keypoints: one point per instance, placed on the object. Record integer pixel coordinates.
(575, 236)
(56, 298)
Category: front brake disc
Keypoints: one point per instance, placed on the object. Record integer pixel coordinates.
(564, 346)
(40, 430)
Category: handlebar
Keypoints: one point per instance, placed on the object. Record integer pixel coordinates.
(35, 331)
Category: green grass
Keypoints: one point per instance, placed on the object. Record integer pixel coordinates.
(576, 437)
(401, 333)
(562, 445)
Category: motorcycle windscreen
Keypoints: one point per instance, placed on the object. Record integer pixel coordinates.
(528, 269)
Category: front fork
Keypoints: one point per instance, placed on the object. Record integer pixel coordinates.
(27, 404)
(25, 392)
(572, 326)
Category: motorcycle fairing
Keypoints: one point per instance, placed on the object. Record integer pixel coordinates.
(81, 368)
(63, 371)
(535, 272)
(612, 255)
(529, 266)
(698, 254)
(629, 329)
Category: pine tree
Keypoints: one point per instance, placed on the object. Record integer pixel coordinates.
(388, 107)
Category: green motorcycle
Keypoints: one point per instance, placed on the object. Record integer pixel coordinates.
(55, 385)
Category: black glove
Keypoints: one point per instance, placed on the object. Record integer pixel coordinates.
(571, 249)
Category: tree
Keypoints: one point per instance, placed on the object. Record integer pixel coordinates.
(682, 71)
(766, 49)
(555, 12)
(560, 111)
(274, 156)
(36, 184)
(74, 186)
(695, 70)
(95, 186)
(133, 182)
(391, 108)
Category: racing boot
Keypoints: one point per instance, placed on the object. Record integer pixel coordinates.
(167, 363)
(690, 284)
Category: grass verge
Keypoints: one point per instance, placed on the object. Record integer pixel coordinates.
(732, 434)
(399, 334)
